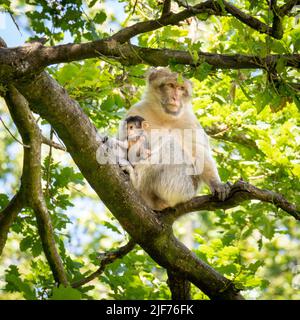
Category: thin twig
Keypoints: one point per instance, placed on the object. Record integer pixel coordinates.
(106, 258)
(48, 169)
(12, 135)
(8, 215)
(53, 144)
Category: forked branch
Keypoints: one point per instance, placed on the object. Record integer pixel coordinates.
(31, 179)
(105, 259)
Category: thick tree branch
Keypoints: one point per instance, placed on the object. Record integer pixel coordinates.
(21, 61)
(105, 259)
(166, 8)
(31, 187)
(277, 28)
(240, 192)
(34, 57)
(180, 287)
(155, 237)
(278, 15)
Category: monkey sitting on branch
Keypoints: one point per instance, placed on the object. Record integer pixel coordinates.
(180, 159)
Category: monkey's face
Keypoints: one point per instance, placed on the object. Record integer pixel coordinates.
(172, 95)
(133, 131)
(171, 91)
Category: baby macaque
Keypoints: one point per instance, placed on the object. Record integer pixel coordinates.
(137, 142)
(134, 146)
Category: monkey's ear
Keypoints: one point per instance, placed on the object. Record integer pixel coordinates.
(155, 73)
(145, 124)
(189, 87)
(152, 74)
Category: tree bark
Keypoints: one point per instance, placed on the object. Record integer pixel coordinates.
(180, 287)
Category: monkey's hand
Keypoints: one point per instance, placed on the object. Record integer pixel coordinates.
(129, 169)
(221, 190)
(105, 139)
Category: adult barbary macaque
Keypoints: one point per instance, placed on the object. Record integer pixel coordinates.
(166, 106)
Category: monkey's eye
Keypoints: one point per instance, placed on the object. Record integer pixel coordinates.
(130, 127)
(171, 85)
(182, 88)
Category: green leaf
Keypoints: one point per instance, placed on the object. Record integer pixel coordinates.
(246, 233)
(100, 17)
(22, 287)
(255, 265)
(203, 16)
(203, 71)
(253, 4)
(26, 243)
(297, 101)
(16, 284)
(36, 248)
(65, 293)
(228, 269)
(228, 237)
(4, 200)
(278, 47)
(263, 99)
(297, 45)
(221, 3)
(111, 227)
(281, 64)
(92, 3)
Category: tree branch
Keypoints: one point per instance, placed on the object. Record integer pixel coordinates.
(225, 134)
(211, 7)
(106, 258)
(30, 61)
(53, 144)
(278, 14)
(166, 8)
(240, 191)
(7, 217)
(288, 6)
(247, 19)
(31, 187)
(16, 204)
(180, 287)
(277, 28)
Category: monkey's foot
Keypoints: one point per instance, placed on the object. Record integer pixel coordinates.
(221, 190)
